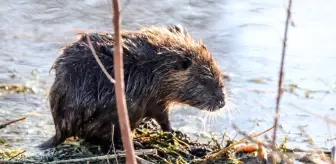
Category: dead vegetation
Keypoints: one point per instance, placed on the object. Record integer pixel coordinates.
(154, 146)
(151, 145)
(14, 88)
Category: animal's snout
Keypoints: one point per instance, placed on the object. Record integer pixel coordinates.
(219, 94)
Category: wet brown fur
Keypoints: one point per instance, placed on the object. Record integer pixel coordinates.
(163, 66)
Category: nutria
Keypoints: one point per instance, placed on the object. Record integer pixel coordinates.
(162, 66)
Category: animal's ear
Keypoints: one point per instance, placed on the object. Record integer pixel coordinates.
(176, 28)
(182, 64)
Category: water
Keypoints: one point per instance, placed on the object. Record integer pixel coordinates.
(244, 36)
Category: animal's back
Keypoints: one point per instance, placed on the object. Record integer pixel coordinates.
(82, 99)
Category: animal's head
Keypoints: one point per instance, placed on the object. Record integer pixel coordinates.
(188, 71)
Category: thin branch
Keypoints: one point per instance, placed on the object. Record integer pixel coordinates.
(98, 60)
(143, 161)
(119, 84)
(120, 89)
(18, 154)
(104, 157)
(19, 162)
(112, 144)
(11, 122)
(266, 145)
(97, 158)
(276, 118)
(333, 154)
(239, 142)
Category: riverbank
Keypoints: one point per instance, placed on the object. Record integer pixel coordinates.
(154, 146)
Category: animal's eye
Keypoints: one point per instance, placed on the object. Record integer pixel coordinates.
(183, 65)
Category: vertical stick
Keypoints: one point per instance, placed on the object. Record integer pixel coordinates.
(119, 87)
(276, 118)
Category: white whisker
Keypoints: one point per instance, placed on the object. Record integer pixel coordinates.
(204, 122)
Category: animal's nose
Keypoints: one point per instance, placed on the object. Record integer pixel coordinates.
(220, 97)
(221, 103)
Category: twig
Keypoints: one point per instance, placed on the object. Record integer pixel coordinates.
(16, 162)
(112, 144)
(119, 86)
(241, 141)
(98, 60)
(251, 137)
(266, 145)
(143, 161)
(120, 89)
(104, 157)
(18, 154)
(293, 150)
(276, 118)
(11, 122)
(20, 161)
(303, 150)
(333, 155)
